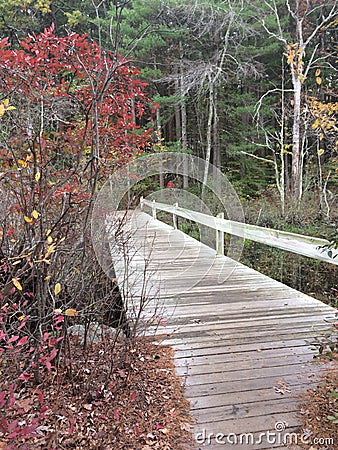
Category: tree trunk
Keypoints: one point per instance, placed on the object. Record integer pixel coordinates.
(216, 141)
(209, 134)
(296, 175)
(158, 137)
(177, 107)
(184, 124)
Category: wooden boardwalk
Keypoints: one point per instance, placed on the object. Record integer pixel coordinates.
(239, 336)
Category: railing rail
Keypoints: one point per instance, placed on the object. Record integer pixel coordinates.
(311, 247)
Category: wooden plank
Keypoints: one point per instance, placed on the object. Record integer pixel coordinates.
(231, 358)
(221, 366)
(259, 423)
(226, 336)
(218, 347)
(236, 398)
(237, 385)
(245, 374)
(237, 410)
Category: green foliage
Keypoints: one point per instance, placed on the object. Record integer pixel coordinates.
(333, 419)
(190, 228)
(334, 394)
(74, 18)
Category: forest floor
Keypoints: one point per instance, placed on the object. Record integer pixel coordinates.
(319, 412)
(130, 399)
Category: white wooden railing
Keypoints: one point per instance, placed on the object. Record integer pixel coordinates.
(311, 247)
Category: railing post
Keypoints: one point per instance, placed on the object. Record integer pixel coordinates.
(175, 221)
(220, 238)
(141, 202)
(153, 209)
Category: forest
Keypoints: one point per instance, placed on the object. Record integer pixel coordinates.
(250, 87)
(86, 86)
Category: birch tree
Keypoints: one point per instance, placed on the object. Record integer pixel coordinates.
(307, 19)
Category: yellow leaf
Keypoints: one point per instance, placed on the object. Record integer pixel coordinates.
(16, 262)
(57, 288)
(315, 124)
(319, 80)
(48, 232)
(21, 318)
(48, 277)
(58, 311)
(11, 108)
(2, 110)
(22, 163)
(71, 312)
(35, 214)
(49, 239)
(37, 176)
(51, 249)
(28, 219)
(17, 284)
(317, 72)
(6, 102)
(320, 152)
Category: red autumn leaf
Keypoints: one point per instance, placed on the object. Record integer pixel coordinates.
(3, 424)
(73, 422)
(53, 342)
(25, 376)
(53, 353)
(12, 339)
(116, 415)
(40, 395)
(13, 425)
(22, 341)
(3, 395)
(43, 409)
(23, 323)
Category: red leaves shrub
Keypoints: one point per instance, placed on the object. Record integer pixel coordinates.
(80, 98)
(71, 113)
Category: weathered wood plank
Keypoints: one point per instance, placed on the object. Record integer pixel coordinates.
(231, 358)
(237, 385)
(221, 366)
(236, 398)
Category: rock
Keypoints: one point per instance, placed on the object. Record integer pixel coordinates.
(95, 332)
